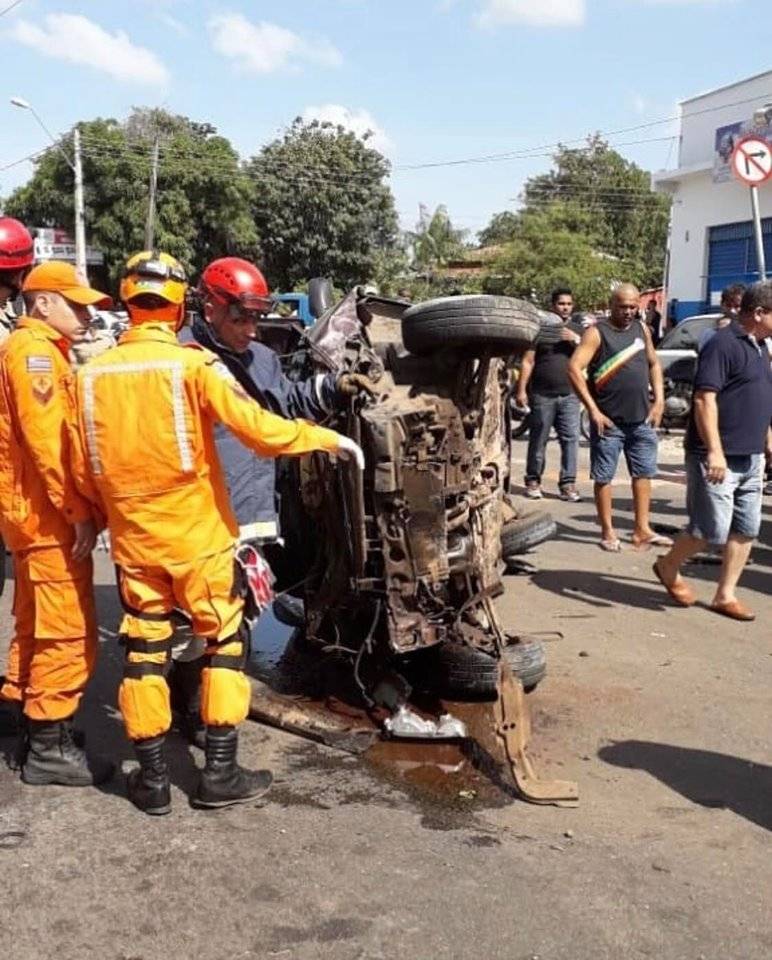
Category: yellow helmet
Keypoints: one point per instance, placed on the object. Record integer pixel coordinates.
(153, 288)
(155, 273)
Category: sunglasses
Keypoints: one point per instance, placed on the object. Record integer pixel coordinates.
(240, 314)
(240, 304)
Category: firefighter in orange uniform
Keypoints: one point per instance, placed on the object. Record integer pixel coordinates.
(145, 454)
(48, 527)
(17, 253)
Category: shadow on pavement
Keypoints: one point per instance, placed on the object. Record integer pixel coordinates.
(752, 578)
(702, 776)
(603, 590)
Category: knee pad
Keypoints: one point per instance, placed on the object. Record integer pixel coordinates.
(225, 690)
(143, 697)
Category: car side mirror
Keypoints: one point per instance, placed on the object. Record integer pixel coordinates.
(320, 296)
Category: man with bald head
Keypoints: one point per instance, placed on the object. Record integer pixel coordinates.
(622, 373)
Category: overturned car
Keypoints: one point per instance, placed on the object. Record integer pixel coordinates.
(403, 562)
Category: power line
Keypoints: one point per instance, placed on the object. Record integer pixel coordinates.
(30, 156)
(534, 152)
(8, 10)
(604, 134)
(606, 207)
(271, 167)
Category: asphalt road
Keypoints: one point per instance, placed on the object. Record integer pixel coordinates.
(661, 714)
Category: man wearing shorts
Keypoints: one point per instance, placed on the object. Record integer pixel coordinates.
(622, 369)
(729, 432)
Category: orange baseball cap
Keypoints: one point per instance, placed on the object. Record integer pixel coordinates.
(56, 276)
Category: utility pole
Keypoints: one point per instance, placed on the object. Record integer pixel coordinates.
(80, 216)
(755, 212)
(150, 222)
(77, 169)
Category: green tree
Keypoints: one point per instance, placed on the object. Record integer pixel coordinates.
(627, 219)
(544, 253)
(203, 197)
(435, 241)
(501, 229)
(322, 207)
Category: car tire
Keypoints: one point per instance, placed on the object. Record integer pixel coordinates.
(524, 533)
(550, 331)
(499, 326)
(289, 610)
(463, 671)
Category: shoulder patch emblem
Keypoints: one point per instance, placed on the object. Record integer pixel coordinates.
(42, 387)
(38, 364)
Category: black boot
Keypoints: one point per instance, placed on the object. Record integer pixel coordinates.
(148, 785)
(223, 782)
(12, 724)
(185, 692)
(16, 757)
(54, 756)
(10, 718)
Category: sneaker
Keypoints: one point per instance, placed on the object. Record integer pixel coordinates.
(533, 490)
(569, 492)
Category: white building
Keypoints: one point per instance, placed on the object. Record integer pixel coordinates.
(711, 231)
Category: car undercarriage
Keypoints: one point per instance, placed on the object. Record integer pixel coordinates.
(401, 563)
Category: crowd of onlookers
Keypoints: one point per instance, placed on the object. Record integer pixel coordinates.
(610, 366)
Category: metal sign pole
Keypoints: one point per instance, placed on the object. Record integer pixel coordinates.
(757, 232)
(80, 217)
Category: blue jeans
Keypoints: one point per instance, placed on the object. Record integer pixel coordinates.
(717, 509)
(563, 414)
(638, 441)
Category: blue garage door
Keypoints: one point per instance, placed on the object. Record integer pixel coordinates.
(732, 255)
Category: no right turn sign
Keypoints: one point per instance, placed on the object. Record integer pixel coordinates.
(752, 161)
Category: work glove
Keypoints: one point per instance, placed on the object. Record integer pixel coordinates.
(348, 450)
(353, 384)
(253, 580)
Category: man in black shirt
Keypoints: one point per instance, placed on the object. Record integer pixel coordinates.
(622, 368)
(552, 401)
(729, 432)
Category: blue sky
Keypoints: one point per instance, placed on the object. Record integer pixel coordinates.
(438, 80)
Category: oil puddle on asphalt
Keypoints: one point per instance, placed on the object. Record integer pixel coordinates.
(460, 772)
(270, 640)
(447, 779)
(280, 658)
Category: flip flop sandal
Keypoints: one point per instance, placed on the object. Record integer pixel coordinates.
(655, 540)
(611, 546)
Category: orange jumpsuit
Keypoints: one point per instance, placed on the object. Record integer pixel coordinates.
(144, 453)
(53, 650)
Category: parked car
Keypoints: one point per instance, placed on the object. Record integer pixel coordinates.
(682, 341)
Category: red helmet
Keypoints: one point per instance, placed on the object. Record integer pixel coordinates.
(16, 246)
(232, 280)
